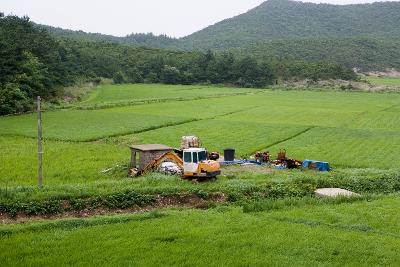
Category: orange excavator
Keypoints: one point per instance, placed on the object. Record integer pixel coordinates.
(194, 163)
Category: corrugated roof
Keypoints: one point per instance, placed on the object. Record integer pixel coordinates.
(151, 147)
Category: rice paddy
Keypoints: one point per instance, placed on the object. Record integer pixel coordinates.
(352, 130)
(86, 155)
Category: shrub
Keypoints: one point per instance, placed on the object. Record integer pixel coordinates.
(13, 100)
(119, 77)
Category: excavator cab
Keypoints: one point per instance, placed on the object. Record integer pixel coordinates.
(195, 164)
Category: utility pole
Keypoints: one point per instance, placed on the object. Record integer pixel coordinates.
(40, 152)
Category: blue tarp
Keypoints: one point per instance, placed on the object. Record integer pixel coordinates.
(319, 165)
(279, 167)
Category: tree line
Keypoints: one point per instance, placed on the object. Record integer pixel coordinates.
(33, 62)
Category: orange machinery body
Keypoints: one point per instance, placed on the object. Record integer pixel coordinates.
(194, 163)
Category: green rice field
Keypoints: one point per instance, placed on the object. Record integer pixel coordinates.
(267, 217)
(387, 81)
(117, 93)
(350, 130)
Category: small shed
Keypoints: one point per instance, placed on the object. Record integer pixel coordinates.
(142, 155)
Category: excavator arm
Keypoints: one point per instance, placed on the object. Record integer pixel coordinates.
(157, 162)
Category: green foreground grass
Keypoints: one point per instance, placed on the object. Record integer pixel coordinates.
(361, 233)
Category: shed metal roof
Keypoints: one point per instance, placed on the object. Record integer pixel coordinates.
(151, 147)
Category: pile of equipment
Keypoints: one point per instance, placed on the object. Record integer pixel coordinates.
(281, 162)
(190, 142)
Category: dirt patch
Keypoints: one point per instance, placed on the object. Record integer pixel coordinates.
(257, 168)
(388, 73)
(339, 85)
(247, 168)
(180, 201)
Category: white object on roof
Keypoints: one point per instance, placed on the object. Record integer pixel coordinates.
(190, 142)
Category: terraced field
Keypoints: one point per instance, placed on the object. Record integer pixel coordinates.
(352, 130)
(254, 216)
(122, 95)
(388, 81)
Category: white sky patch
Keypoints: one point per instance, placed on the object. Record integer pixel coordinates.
(175, 18)
(343, 2)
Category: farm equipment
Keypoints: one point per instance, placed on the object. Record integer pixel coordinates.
(281, 156)
(190, 160)
(263, 157)
(193, 164)
(214, 156)
(283, 162)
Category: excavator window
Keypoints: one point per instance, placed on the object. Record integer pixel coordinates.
(202, 156)
(195, 157)
(187, 157)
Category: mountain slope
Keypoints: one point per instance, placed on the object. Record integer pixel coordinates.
(364, 53)
(365, 36)
(285, 19)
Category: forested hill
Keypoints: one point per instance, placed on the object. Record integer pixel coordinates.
(286, 19)
(135, 39)
(364, 53)
(273, 20)
(365, 36)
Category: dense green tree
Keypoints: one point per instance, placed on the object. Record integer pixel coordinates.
(119, 77)
(133, 75)
(152, 77)
(13, 100)
(170, 75)
(33, 76)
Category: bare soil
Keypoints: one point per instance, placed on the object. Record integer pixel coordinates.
(247, 168)
(388, 73)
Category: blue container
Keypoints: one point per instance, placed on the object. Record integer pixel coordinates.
(317, 165)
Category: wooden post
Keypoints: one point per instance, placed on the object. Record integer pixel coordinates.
(40, 152)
